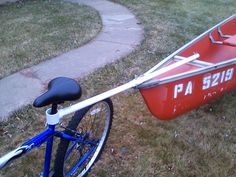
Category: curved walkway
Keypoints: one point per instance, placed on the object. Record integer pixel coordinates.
(120, 35)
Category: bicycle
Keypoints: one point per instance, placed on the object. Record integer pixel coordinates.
(74, 137)
(80, 145)
(81, 142)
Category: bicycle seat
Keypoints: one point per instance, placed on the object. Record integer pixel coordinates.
(60, 89)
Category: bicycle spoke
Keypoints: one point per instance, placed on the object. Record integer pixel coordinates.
(92, 130)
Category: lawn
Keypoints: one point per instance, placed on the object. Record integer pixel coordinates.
(199, 143)
(35, 30)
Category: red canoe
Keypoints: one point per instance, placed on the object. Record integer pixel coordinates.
(199, 81)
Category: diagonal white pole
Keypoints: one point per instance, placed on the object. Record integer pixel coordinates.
(124, 87)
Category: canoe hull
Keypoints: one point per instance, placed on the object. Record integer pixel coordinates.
(169, 100)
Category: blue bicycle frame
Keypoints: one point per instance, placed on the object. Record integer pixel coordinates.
(54, 117)
(47, 136)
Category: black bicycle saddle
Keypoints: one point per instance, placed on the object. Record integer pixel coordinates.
(60, 89)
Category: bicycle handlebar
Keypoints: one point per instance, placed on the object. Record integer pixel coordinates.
(11, 155)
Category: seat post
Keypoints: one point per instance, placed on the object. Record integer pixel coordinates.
(54, 109)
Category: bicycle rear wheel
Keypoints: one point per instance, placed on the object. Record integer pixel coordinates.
(92, 124)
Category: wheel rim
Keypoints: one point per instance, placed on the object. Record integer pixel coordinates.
(93, 126)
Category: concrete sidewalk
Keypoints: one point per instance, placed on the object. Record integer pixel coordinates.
(120, 35)
(7, 1)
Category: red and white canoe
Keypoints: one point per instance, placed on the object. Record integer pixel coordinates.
(198, 72)
(194, 83)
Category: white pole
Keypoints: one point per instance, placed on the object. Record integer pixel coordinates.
(124, 87)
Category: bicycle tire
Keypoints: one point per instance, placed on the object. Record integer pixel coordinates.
(60, 165)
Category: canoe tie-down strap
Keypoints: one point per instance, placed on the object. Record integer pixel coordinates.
(229, 40)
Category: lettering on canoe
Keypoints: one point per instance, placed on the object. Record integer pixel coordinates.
(208, 81)
(180, 88)
(217, 78)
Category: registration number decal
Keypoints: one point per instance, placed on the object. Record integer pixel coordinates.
(217, 78)
(208, 81)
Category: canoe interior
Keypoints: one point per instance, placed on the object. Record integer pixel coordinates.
(209, 52)
(214, 53)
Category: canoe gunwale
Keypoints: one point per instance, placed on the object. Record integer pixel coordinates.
(189, 44)
(154, 83)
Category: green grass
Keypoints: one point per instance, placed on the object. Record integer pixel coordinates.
(35, 30)
(199, 143)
